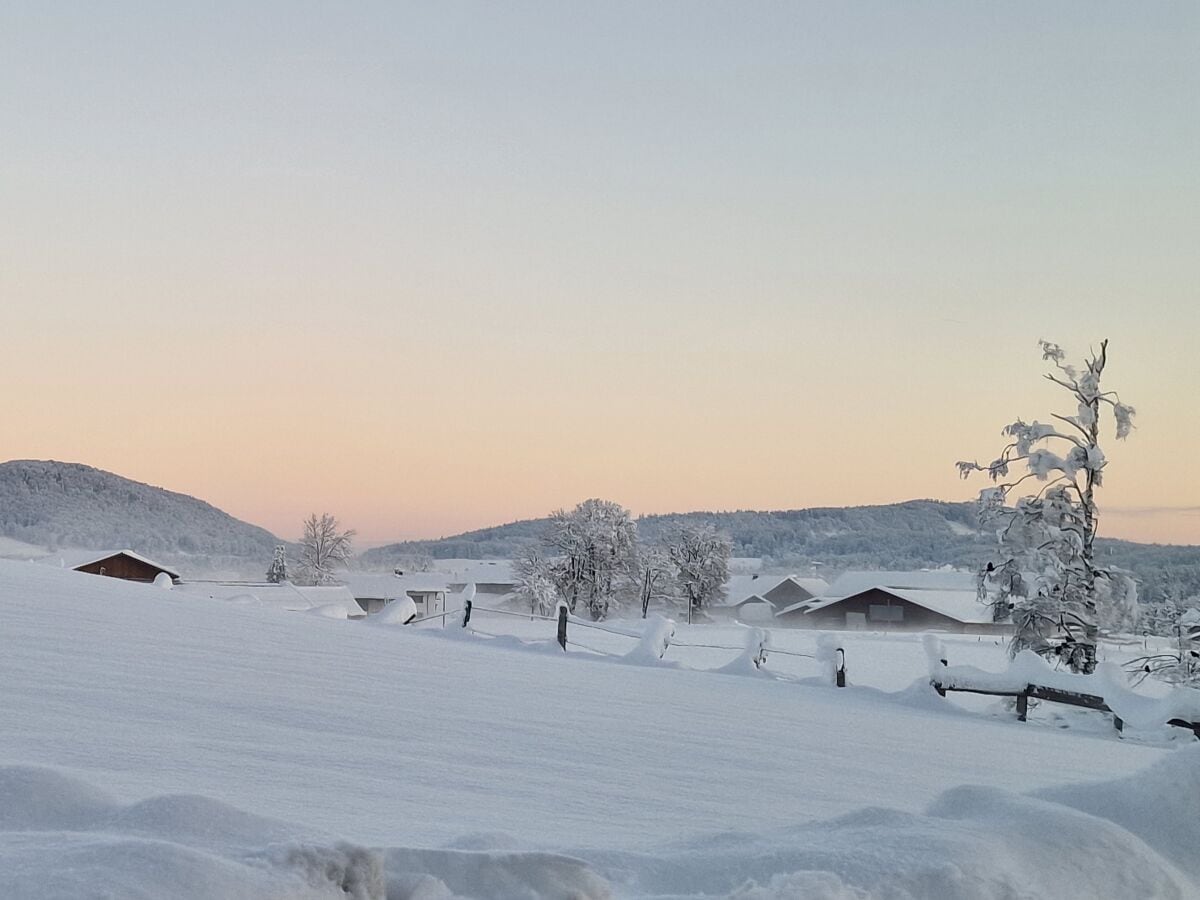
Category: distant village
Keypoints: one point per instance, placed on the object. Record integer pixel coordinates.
(931, 600)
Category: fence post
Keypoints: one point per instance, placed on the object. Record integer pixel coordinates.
(937, 687)
(1023, 705)
(1119, 724)
(466, 613)
(840, 671)
(562, 627)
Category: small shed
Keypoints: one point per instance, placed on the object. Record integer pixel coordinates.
(427, 590)
(123, 564)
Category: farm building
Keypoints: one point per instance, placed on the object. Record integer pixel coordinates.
(757, 598)
(938, 600)
(493, 577)
(427, 590)
(123, 564)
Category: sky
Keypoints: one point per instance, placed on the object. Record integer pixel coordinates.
(436, 266)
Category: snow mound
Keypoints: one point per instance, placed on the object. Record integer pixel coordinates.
(1134, 837)
(164, 581)
(399, 612)
(61, 838)
(1160, 805)
(751, 660)
(513, 876)
(656, 638)
(41, 799)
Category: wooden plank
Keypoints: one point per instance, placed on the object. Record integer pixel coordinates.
(943, 688)
(1071, 698)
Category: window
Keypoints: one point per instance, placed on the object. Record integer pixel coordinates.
(882, 613)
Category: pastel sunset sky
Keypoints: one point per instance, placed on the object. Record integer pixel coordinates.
(435, 266)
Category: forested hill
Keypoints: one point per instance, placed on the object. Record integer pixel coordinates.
(58, 505)
(911, 535)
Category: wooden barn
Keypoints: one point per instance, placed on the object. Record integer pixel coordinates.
(123, 564)
(937, 600)
(758, 598)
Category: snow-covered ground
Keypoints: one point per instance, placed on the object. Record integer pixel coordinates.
(155, 743)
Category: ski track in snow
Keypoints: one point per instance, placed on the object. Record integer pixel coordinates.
(137, 723)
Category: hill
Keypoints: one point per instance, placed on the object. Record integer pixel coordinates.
(54, 504)
(911, 535)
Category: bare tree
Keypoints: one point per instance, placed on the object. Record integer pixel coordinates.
(656, 578)
(323, 547)
(701, 555)
(1046, 576)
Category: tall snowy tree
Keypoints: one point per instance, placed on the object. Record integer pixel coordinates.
(278, 572)
(701, 555)
(656, 578)
(323, 547)
(596, 544)
(1046, 575)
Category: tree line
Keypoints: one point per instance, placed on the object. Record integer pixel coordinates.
(592, 559)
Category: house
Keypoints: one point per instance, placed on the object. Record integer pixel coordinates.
(936, 600)
(113, 563)
(758, 598)
(492, 577)
(427, 590)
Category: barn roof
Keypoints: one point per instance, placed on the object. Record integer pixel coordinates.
(77, 559)
(951, 593)
(742, 588)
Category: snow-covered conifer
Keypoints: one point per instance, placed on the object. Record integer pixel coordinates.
(278, 572)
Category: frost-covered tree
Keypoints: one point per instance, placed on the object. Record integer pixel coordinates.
(1046, 575)
(534, 584)
(278, 572)
(323, 547)
(1180, 665)
(656, 578)
(596, 544)
(701, 556)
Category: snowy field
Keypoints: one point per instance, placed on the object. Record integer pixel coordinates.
(158, 744)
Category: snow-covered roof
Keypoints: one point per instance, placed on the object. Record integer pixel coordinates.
(946, 591)
(388, 587)
(855, 582)
(742, 588)
(77, 559)
(476, 571)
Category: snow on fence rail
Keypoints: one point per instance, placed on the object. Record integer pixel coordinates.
(1030, 676)
(654, 641)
